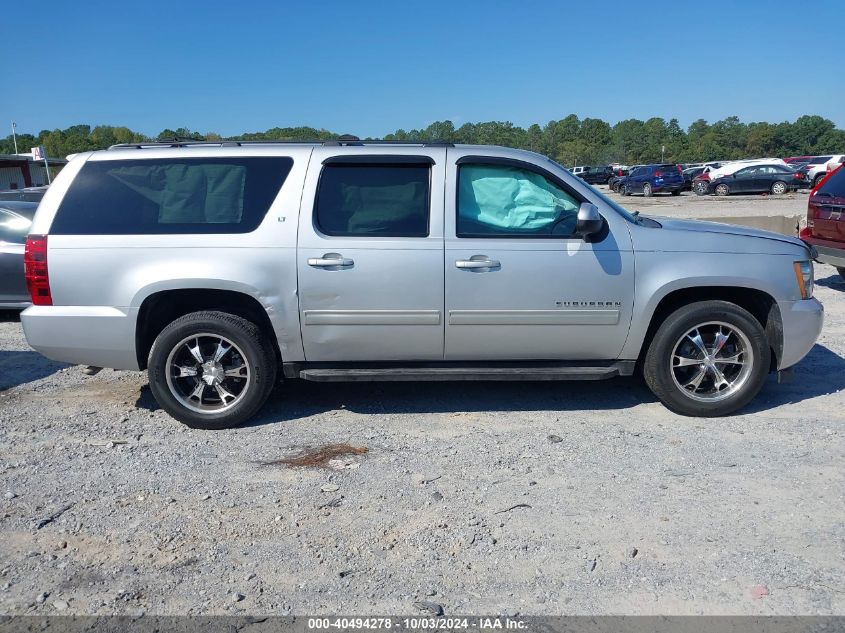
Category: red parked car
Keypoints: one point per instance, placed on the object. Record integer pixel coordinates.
(797, 159)
(825, 228)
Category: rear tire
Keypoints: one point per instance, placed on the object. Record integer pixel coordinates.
(647, 192)
(676, 192)
(734, 373)
(818, 179)
(211, 370)
(779, 188)
(701, 188)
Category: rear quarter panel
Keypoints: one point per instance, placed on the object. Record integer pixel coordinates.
(120, 271)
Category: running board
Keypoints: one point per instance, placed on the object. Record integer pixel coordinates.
(457, 372)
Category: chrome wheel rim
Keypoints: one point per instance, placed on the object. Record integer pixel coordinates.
(778, 188)
(712, 361)
(646, 189)
(207, 373)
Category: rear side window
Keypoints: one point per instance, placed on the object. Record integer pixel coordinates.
(173, 195)
(834, 186)
(378, 200)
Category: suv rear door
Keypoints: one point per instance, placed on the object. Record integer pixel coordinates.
(519, 284)
(370, 254)
(13, 230)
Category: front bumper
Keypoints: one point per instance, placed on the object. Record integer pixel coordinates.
(83, 335)
(802, 323)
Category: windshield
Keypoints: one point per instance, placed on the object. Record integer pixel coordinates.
(620, 210)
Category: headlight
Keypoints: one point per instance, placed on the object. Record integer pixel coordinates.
(804, 277)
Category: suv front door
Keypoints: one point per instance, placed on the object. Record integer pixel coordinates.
(370, 254)
(520, 285)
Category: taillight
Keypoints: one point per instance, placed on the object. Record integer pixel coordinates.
(35, 270)
(658, 174)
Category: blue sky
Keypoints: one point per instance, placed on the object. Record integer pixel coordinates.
(368, 68)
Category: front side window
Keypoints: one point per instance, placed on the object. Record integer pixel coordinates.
(498, 200)
(171, 195)
(377, 200)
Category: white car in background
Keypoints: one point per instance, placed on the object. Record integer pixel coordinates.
(820, 166)
(733, 166)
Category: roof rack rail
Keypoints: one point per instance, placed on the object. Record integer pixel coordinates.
(340, 142)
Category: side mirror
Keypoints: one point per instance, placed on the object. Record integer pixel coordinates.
(589, 220)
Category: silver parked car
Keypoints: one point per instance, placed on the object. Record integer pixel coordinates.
(221, 267)
(15, 221)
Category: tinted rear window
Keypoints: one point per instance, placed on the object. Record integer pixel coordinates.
(835, 185)
(818, 160)
(173, 195)
(378, 200)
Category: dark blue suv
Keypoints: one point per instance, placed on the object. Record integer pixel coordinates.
(651, 179)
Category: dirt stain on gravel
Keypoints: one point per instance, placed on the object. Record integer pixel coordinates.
(319, 456)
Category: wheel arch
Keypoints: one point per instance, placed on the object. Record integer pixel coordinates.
(161, 307)
(759, 303)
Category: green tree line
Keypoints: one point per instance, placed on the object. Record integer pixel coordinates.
(570, 140)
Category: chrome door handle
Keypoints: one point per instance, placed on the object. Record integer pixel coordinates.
(477, 263)
(331, 260)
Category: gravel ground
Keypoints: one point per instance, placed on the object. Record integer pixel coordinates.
(529, 498)
(690, 205)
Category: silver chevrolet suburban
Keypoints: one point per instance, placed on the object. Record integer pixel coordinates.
(222, 267)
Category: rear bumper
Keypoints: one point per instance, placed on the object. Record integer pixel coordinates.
(14, 305)
(83, 335)
(832, 256)
(827, 251)
(802, 324)
(668, 186)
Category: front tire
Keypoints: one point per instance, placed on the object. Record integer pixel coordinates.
(707, 359)
(722, 190)
(211, 370)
